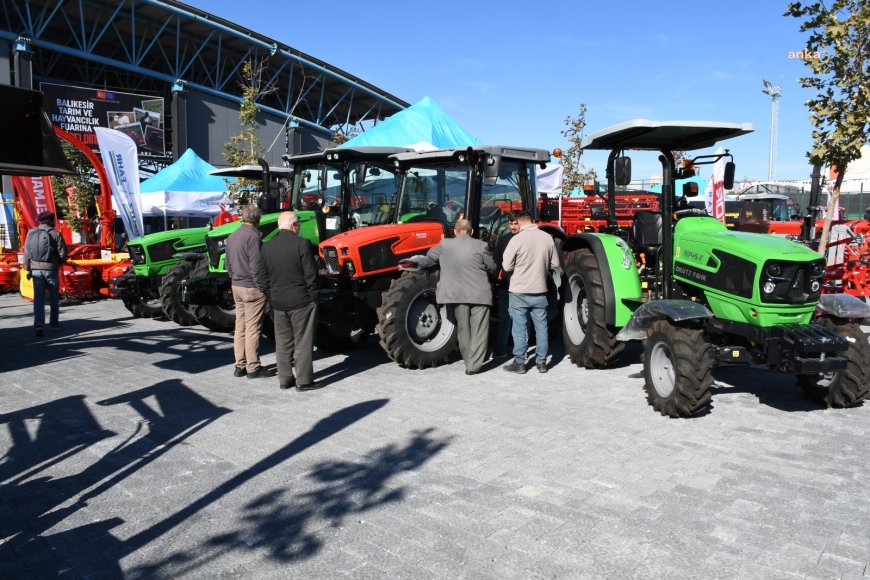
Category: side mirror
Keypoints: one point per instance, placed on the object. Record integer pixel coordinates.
(730, 168)
(622, 170)
(324, 177)
(491, 166)
(360, 177)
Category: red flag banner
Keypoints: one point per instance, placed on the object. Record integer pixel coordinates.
(35, 195)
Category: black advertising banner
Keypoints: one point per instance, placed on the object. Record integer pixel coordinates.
(78, 110)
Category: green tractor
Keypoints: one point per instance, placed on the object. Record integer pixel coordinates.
(700, 295)
(150, 288)
(331, 191)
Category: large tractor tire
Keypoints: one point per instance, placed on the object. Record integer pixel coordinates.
(144, 307)
(677, 369)
(847, 387)
(217, 317)
(169, 294)
(332, 338)
(589, 342)
(415, 331)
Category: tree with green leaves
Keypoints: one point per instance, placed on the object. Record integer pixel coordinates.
(574, 172)
(82, 186)
(840, 69)
(244, 148)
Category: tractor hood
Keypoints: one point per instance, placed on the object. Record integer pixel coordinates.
(378, 249)
(710, 233)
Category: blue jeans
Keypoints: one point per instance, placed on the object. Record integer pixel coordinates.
(523, 306)
(45, 280)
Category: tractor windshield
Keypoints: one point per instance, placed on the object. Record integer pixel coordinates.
(372, 194)
(436, 191)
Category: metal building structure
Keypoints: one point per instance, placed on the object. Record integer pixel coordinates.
(167, 48)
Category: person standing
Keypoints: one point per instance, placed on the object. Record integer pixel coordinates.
(503, 330)
(44, 251)
(530, 257)
(466, 264)
(243, 266)
(289, 277)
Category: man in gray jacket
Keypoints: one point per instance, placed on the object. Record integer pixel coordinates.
(466, 264)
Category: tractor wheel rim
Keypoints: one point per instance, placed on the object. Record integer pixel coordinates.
(427, 323)
(576, 314)
(662, 369)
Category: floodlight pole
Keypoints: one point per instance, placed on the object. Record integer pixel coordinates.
(775, 92)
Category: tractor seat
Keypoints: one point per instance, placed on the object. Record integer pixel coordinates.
(646, 232)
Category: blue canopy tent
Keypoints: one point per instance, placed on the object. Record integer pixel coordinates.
(423, 126)
(184, 188)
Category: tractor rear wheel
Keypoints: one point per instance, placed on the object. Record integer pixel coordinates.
(677, 369)
(219, 317)
(588, 340)
(847, 387)
(144, 306)
(415, 331)
(170, 297)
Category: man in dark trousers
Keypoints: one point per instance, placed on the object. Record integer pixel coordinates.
(466, 264)
(44, 252)
(289, 277)
(530, 257)
(243, 266)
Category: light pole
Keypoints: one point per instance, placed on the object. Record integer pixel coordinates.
(775, 92)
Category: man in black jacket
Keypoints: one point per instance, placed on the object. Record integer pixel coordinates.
(44, 251)
(289, 278)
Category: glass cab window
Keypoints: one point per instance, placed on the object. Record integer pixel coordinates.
(502, 197)
(371, 201)
(435, 192)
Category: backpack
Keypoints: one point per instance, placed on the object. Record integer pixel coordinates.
(40, 246)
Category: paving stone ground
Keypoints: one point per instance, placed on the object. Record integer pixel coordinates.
(130, 450)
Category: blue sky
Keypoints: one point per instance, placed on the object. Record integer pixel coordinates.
(509, 72)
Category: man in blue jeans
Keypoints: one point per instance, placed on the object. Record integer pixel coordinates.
(530, 257)
(44, 252)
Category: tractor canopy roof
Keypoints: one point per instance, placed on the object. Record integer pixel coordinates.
(664, 135)
(364, 153)
(521, 153)
(252, 172)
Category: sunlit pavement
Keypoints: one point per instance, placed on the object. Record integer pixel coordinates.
(129, 449)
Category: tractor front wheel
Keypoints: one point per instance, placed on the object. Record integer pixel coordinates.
(220, 317)
(588, 340)
(144, 306)
(847, 387)
(415, 331)
(677, 369)
(170, 297)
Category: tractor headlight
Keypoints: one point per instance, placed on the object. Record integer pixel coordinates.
(769, 287)
(774, 270)
(814, 286)
(350, 268)
(817, 270)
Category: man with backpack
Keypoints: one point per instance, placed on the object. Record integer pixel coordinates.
(44, 252)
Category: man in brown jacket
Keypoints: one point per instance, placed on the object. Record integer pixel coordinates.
(243, 266)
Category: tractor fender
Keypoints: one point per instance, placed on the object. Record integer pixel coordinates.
(674, 310)
(843, 306)
(555, 231)
(619, 275)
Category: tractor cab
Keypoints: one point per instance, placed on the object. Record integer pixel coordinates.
(272, 183)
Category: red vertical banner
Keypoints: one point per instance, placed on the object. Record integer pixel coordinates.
(34, 195)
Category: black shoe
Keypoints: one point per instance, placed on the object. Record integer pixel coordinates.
(310, 386)
(291, 382)
(240, 372)
(513, 367)
(40, 332)
(542, 368)
(471, 372)
(261, 373)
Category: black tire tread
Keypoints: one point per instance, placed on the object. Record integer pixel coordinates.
(851, 385)
(169, 299)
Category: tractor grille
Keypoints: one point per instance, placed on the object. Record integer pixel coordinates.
(162, 251)
(215, 247)
(793, 283)
(137, 254)
(331, 256)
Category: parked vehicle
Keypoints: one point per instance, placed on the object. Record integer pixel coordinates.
(700, 295)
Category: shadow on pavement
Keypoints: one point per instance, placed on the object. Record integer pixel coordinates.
(777, 390)
(283, 523)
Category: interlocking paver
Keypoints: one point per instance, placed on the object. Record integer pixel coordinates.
(129, 449)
